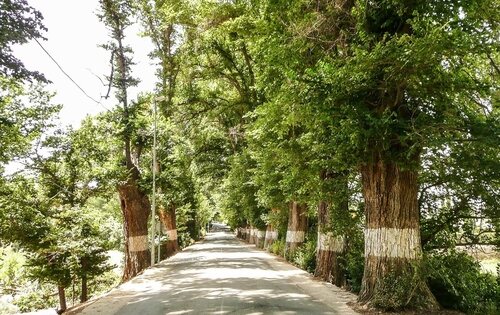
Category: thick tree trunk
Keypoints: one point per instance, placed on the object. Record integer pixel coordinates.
(247, 233)
(84, 262)
(271, 236)
(168, 219)
(392, 234)
(62, 299)
(330, 250)
(135, 209)
(253, 233)
(259, 240)
(84, 293)
(297, 225)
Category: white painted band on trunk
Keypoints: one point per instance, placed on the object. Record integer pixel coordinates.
(137, 243)
(254, 232)
(172, 235)
(295, 236)
(329, 242)
(261, 234)
(271, 235)
(391, 242)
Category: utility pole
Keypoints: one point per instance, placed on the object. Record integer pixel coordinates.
(153, 204)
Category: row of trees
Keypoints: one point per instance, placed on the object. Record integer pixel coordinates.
(368, 126)
(377, 120)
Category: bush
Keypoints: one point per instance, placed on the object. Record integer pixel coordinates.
(7, 308)
(355, 267)
(278, 247)
(355, 260)
(42, 297)
(456, 281)
(305, 256)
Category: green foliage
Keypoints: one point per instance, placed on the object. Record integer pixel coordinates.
(355, 260)
(305, 256)
(76, 247)
(25, 114)
(456, 280)
(12, 270)
(7, 308)
(278, 247)
(39, 297)
(19, 22)
(185, 235)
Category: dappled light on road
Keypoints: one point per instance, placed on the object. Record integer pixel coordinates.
(221, 275)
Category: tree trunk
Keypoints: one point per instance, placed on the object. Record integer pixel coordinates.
(259, 240)
(135, 209)
(62, 299)
(239, 232)
(84, 293)
(392, 234)
(84, 264)
(168, 219)
(253, 235)
(297, 225)
(330, 250)
(247, 233)
(271, 236)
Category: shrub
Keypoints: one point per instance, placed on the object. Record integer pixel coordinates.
(278, 247)
(39, 297)
(305, 256)
(355, 267)
(6, 308)
(355, 260)
(456, 281)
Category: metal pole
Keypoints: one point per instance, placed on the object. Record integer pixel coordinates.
(153, 205)
(159, 240)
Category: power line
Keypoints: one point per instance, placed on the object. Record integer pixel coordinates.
(68, 76)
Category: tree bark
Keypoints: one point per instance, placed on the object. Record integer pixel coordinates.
(135, 208)
(330, 250)
(271, 236)
(253, 235)
(392, 234)
(84, 264)
(62, 299)
(259, 240)
(297, 225)
(248, 233)
(84, 293)
(168, 219)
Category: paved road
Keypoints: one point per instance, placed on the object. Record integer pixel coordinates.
(222, 275)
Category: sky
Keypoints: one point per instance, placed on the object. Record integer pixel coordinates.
(73, 36)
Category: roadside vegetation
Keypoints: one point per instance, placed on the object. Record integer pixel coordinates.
(357, 139)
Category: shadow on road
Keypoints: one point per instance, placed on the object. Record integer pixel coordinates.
(217, 276)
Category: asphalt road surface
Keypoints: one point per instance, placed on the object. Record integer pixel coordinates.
(222, 275)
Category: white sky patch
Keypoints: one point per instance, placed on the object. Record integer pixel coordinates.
(73, 36)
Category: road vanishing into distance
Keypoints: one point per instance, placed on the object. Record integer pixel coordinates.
(222, 275)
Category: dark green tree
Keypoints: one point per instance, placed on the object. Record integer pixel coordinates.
(19, 23)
